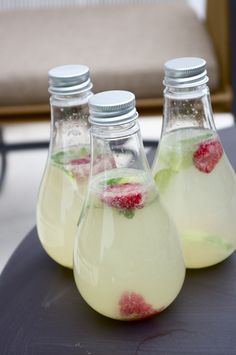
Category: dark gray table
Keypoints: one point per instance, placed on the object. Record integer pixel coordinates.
(42, 313)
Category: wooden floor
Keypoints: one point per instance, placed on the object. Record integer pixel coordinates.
(18, 196)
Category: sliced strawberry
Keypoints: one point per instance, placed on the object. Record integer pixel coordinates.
(133, 306)
(123, 196)
(79, 161)
(79, 168)
(207, 155)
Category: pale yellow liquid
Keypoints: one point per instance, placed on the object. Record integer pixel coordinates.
(115, 254)
(59, 206)
(203, 205)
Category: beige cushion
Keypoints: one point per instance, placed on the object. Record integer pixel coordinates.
(124, 45)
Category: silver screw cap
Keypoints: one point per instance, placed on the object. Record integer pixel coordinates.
(69, 79)
(113, 107)
(185, 72)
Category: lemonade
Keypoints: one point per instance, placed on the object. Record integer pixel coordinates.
(198, 188)
(127, 260)
(60, 201)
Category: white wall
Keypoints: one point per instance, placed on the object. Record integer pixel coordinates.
(5, 5)
(199, 6)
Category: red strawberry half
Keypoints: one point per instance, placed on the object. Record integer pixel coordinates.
(123, 196)
(79, 161)
(133, 306)
(79, 167)
(207, 155)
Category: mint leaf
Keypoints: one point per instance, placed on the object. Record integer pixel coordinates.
(123, 180)
(128, 213)
(114, 181)
(84, 152)
(64, 156)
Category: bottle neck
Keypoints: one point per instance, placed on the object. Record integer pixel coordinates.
(187, 108)
(110, 132)
(61, 105)
(118, 146)
(69, 120)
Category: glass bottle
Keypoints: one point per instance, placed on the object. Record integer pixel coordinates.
(193, 175)
(65, 178)
(128, 261)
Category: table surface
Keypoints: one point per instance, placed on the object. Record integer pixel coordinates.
(41, 311)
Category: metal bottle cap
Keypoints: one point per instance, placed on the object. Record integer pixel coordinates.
(69, 79)
(185, 72)
(113, 107)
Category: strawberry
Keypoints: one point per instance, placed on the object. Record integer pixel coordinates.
(123, 196)
(132, 305)
(79, 168)
(79, 161)
(207, 155)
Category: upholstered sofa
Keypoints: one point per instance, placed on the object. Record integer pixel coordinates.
(125, 44)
